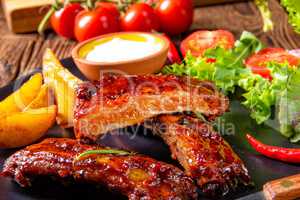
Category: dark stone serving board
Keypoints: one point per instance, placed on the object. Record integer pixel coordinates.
(261, 169)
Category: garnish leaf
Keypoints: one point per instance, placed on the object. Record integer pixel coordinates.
(103, 151)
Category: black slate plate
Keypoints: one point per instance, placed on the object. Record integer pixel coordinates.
(233, 125)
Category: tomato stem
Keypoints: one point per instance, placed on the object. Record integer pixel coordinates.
(89, 4)
(55, 6)
(45, 20)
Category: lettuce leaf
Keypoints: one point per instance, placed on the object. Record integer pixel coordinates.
(260, 93)
(228, 72)
(225, 71)
(289, 107)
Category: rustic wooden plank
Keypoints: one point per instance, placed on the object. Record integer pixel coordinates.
(245, 16)
(24, 16)
(212, 2)
(22, 53)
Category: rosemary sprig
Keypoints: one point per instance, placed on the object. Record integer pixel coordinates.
(104, 151)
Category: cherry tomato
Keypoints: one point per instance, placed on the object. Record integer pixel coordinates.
(198, 42)
(140, 17)
(175, 16)
(111, 7)
(93, 23)
(63, 20)
(173, 55)
(258, 61)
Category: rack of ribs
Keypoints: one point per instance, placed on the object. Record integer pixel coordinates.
(137, 176)
(202, 152)
(118, 101)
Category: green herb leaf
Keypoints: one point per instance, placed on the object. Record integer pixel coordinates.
(103, 151)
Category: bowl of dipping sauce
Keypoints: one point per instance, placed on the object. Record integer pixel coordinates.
(123, 52)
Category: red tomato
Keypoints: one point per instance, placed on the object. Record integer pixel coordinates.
(198, 42)
(258, 61)
(111, 7)
(175, 16)
(263, 71)
(173, 55)
(93, 23)
(63, 20)
(140, 17)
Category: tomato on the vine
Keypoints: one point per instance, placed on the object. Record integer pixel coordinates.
(175, 16)
(198, 42)
(257, 62)
(140, 17)
(92, 23)
(111, 7)
(63, 20)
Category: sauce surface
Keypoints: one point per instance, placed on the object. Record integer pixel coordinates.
(118, 49)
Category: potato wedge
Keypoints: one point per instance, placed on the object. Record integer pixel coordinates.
(63, 84)
(23, 128)
(43, 99)
(18, 100)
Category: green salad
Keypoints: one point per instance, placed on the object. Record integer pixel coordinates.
(260, 95)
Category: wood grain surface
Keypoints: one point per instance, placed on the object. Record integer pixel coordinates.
(21, 53)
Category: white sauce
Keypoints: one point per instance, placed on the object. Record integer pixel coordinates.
(119, 49)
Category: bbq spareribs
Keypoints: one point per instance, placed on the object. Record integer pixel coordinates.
(117, 101)
(202, 152)
(137, 176)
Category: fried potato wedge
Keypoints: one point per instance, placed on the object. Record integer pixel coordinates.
(18, 100)
(43, 99)
(63, 84)
(23, 128)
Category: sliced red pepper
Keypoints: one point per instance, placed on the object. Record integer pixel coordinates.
(173, 55)
(278, 153)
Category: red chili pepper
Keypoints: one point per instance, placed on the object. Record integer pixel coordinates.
(277, 153)
(173, 55)
(211, 60)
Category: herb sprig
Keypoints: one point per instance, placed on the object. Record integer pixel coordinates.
(103, 151)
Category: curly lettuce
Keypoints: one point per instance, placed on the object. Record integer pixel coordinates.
(225, 71)
(289, 107)
(260, 94)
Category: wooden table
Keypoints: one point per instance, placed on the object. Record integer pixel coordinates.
(22, 53)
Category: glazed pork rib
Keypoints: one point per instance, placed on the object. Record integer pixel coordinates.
(137, 176)
(117, 101)
(202, 152)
